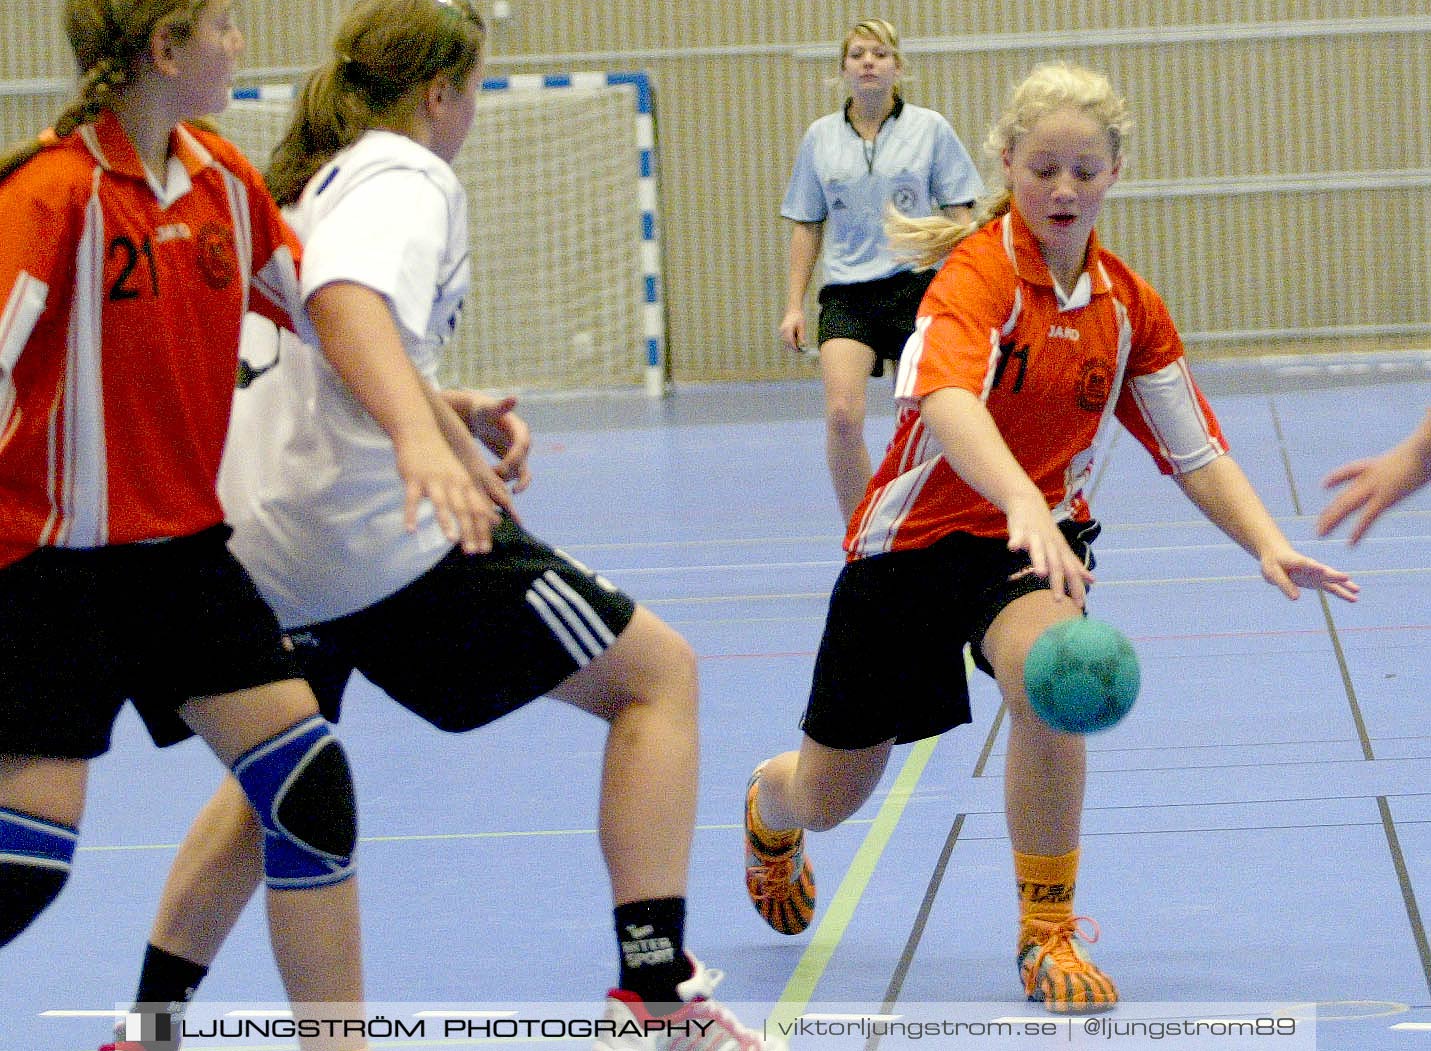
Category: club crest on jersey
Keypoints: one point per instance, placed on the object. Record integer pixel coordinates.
(218, 261)
(1095, 383)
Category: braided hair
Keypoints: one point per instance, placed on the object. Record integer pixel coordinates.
(108, 38)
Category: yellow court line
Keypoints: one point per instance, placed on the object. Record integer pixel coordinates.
(841, 909)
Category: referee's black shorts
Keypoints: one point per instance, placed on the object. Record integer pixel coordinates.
(880, 314)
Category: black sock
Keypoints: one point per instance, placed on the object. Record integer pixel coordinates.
(651, 935)
(167, 981)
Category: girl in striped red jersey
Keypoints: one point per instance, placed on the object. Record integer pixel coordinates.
(1030, 342)
(135, 241)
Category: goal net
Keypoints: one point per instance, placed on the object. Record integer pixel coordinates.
(565, 269)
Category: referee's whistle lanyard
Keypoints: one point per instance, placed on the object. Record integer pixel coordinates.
(870, 145)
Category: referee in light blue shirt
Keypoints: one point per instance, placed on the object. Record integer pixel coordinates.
(877, 151)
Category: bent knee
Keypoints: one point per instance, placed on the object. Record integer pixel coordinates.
(825, 808)
(667, 673)
(845, 418)
(300, 785)
(824, 818)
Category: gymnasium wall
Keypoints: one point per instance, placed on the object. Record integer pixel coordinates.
(1278, 187)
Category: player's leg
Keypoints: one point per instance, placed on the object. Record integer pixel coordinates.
(814, 788)
(1043, 810)
(209, 637)
(215, 874)
(645, 687)
(291, 766)
(295, 775)
(845, 366)
(817, 787)
(219, 864)
(1043, 803)
(41, 801)
(477, 637)
(888, 671)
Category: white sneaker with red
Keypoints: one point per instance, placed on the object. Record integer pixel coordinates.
(168, 1026)
(703, 1024)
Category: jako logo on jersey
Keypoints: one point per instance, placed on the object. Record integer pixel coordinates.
(171, 232)
(1060, 332)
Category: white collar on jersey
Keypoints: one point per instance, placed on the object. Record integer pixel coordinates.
(1081, 295)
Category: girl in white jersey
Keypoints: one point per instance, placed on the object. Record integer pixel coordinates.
(310, 487)
(1031, 340)
(878, 152)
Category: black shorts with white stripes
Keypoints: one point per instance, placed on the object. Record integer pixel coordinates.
(473, 638)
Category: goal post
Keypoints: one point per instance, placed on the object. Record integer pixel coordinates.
(563, 200)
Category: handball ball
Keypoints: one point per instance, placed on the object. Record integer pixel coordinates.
(1081, 675)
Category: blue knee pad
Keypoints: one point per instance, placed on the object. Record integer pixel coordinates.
(299, 783)
(35, 857)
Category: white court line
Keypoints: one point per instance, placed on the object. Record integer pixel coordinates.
(432, 837)
(1102, 584)
(737, 567)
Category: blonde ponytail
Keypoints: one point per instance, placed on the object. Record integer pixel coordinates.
(926, 241)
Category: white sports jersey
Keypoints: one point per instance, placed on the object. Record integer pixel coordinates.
(309, 480)
(916, 163)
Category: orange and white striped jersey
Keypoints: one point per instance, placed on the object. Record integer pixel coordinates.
(1053, 372)
(121, 302)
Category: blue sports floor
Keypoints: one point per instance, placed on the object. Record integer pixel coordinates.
(1257, 831)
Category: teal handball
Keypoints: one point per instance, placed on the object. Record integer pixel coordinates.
(1081, 676)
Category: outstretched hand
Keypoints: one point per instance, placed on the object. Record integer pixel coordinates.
(1374, 484)
(1290, 571)
(466, 511)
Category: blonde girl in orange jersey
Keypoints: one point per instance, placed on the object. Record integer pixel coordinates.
(1031, 340)
(134, 243)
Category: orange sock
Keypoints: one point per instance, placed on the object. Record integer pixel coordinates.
(772, 839)
(1045, 887)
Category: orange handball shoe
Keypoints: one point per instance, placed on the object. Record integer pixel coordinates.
(778, 877)
(1057, 972)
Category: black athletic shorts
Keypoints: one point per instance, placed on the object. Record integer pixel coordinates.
(473, 638)
(880, 314)
(891, 662)
(82, 630)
